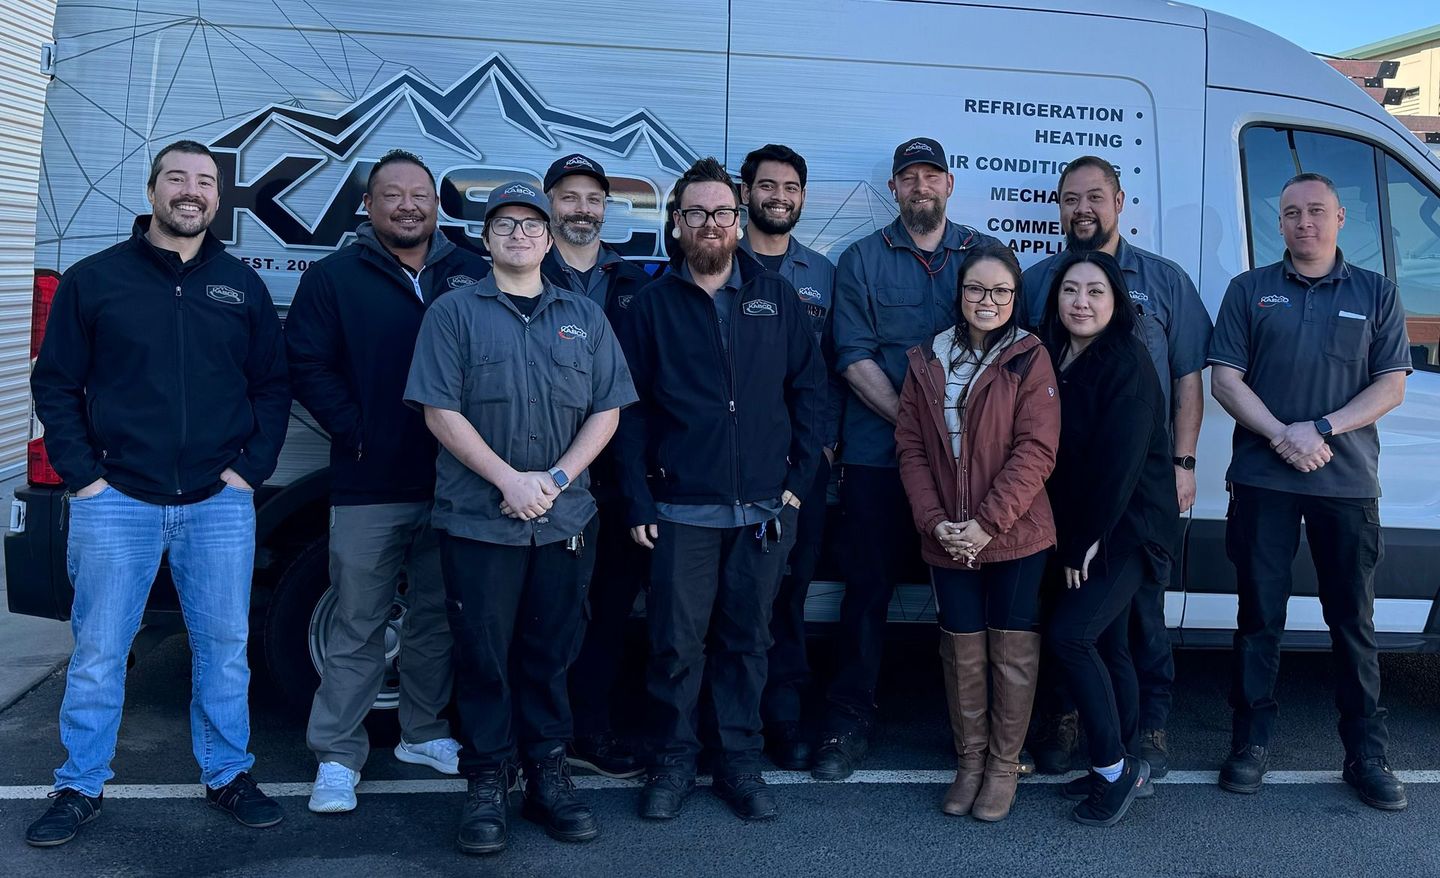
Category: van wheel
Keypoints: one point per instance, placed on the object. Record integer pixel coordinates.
(297, 627)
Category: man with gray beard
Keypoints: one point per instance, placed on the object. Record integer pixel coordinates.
(578, 189)
(894, 289)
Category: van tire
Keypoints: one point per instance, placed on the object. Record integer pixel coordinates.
(287, 640)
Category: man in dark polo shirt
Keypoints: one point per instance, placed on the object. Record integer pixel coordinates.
(1172, 321)
(1308, 354)
(894, 289)
(522, 383)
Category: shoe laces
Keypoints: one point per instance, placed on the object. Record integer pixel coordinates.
(669, 781)
(333, 774)
(747, 783)
(242, 789)
(1154, 737)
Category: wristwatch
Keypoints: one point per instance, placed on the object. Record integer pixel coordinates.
(1322, 426)
(562, 481)
(1187, 462)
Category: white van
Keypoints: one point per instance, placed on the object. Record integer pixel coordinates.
(1205, 116)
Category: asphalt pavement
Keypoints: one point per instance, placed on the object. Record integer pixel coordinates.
(155, 823)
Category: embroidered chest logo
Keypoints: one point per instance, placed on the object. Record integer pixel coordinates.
(1137, 296)
(228, 295)
(1273, 301)
(460, 280)
(625, 300)
(809, 294)
(760, 308)
(570, 332)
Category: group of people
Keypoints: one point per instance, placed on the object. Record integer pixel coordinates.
(534, 439)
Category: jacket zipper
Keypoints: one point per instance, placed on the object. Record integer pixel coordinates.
(729, 358)
(180, 375)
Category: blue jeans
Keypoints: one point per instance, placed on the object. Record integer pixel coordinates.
(114, 551)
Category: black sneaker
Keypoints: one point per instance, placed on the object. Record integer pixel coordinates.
(664, 795)
(242, 799)
(605, 754)
(1078, 790)
(484, 826)
(1376, 784)
(550, 800)
(1108, 801)
(1244, 771)
(787, 746)
(71, 810)
(1153, 750)
(839, 756)
(748, 796)
(1056, 743)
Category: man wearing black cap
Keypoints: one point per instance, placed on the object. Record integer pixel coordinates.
(894, 289)
(577, 187)
(522, 383)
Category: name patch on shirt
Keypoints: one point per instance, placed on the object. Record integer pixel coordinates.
(570, 332)
(809, 294)
(456, 281)
(761, 308)
(1274, 301)
(228, 295)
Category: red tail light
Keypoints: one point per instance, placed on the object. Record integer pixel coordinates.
(37, 463)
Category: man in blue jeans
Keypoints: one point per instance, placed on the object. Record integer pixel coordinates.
(162, 387)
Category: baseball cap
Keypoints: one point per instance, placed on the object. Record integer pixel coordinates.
(576, 163)
(919, 149)
(518, 192)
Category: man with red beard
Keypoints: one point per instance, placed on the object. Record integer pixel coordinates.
(894, 289)
(714, 462)
(773, 188)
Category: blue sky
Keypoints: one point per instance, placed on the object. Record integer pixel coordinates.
(1332, 26)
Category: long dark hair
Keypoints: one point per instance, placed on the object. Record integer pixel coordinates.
(1122, 318)
(1005, 332)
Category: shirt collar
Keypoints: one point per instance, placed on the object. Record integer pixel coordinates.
(1338, 272)
(956, 237)
(733, 283)
(794, 252)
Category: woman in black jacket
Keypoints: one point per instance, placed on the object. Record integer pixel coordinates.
(1113, 492)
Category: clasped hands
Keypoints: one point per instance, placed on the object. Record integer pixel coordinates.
(962, 541)
(1302, 447)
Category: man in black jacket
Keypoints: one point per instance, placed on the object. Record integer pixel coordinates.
(351, 333)
(578, 188)
(713, 461)
(162, 388)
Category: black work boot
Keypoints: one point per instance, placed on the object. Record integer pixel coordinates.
(605, 754)
(483, 823)
(1056, 743)
(242, 799)
(748, 796)
(71, 810)
(551, 802)
(1109, 800)
(1244, 771)
(840, 755)
(1155, 751)
(787, 746)
(1375, 783)
(664, 795)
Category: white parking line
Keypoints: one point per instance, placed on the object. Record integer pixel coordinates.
(780, 778)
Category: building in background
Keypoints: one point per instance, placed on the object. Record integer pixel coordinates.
(1403, 74)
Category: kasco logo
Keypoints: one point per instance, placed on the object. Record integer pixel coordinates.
(1137, 296)
(579, 161)
(570, 332)
(228, 295)
(625, 300)
(919, 146)
(1273, 301)
(517, 189)
(456, 281)
(809, 294)
(760, 308)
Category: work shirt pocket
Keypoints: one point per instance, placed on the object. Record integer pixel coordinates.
(900, 313)
(489, 378)
(571, 383)
(1348, 339)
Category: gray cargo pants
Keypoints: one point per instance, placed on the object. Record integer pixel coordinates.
(369, 545)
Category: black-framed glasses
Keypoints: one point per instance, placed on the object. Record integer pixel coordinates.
(504, 226)
(975, 294)
(724, 217)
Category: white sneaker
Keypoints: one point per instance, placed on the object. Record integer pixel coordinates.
(441, 754)
(334, 790)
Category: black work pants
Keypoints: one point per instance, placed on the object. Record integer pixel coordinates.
(879, 534)
(1262, 535)
(789, 672)
(1150, 647)
(516, 615)
(708, 612)
(1003, 595)
(1089, 637)
(621, 568)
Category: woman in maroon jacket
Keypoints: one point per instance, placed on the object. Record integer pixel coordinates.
(977, 433)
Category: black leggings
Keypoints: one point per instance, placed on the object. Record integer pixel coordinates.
(1089, 636)
(1004, 595)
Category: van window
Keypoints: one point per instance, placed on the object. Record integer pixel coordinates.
(1373, 187)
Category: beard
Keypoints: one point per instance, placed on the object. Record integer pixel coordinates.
(178, 225)
(1096, 241)
(922, 219)
(709, 255)
(396, 239)
(768, 224)
(576, 235)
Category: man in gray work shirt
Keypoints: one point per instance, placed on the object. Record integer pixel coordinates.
(522, 383)
(1173, 323)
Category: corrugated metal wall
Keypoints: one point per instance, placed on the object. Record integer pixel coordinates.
(28, 24)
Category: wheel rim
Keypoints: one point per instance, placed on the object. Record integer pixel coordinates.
(322, 623)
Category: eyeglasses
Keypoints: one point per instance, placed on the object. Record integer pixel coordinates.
(724, 217)
(974, 294)
(504, 226)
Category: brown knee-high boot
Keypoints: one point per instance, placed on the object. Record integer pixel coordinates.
(963, 658)
(1014, 662)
